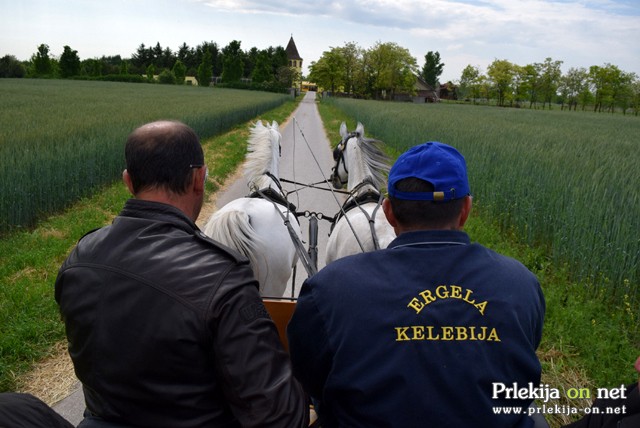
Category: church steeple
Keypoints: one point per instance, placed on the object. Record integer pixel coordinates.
(295, 63)
(293, 56)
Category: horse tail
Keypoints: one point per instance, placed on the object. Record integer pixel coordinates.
(233, 229)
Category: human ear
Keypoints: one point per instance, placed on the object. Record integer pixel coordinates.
(388, 213)
(126, 178)
(200, 179)
(465, 212)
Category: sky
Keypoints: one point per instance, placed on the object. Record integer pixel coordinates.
(581, 33)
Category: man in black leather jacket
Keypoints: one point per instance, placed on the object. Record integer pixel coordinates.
(166, 327)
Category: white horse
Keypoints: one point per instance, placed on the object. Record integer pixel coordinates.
(360, 225)
(255, 225)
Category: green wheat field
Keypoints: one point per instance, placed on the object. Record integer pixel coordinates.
(558, 190)
(60, 140)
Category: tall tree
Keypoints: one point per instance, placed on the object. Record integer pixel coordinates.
(232, 69)
(352, 54)
(394, 70)
(233, 62)
(205, 70)
(250, 59)
(142, 58)
(572, 85)
(622, 90)
(41, 63)
(278, 59)
(520, 84)
(187, 56)
(262, 71)
(157, 53)
(602, 80)
(69, 63)
(549, 80)
(167, 59)
(214, 53)
(530, 81)
(329, 70)
(501, 73)
(432, 68)
(470, 83)
(179, 70)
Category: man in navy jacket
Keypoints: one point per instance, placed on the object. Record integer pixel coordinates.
(433, 331)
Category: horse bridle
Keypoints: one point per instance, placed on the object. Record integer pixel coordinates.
(353, 202)
(338, 155)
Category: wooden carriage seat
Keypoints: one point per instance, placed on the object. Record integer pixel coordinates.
(281, 312)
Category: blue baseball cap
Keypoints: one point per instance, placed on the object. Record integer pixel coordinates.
(439, 164)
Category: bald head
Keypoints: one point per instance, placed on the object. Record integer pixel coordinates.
(163, 155)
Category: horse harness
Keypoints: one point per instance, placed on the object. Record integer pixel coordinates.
(279, 198)
(370, 196)
(274, 196)
(352, 202)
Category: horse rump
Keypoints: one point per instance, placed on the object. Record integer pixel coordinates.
(233, 229)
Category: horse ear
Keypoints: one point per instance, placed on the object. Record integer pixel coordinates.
(343, 130)
(360, 130)
(274, 125)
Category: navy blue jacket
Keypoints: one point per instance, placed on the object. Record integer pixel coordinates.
(417, 334)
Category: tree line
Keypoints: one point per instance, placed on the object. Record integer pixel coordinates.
(388, 69)
(230, 65)
(381, 72)
(603, 88)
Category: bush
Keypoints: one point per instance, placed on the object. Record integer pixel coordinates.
(167, 78)
(11, 67)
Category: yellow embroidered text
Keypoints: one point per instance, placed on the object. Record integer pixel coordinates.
(429, 332)
(446, 292)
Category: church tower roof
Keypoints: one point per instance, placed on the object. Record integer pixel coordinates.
(292, 50)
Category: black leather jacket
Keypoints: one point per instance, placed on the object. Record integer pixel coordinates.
(166, 328)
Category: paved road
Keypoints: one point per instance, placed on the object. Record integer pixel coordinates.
(306, 158)
(310, 164)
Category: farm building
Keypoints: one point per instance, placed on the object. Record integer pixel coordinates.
(448, 91)
(423, 93)
(426, 93)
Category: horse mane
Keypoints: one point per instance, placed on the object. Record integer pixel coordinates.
(259, 157)
(377, 162)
